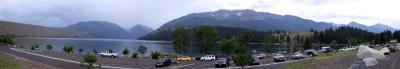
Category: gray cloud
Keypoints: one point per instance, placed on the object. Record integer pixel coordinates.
(154, 13)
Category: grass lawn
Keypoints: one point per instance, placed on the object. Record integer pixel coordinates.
(8, 62)
(307, 64)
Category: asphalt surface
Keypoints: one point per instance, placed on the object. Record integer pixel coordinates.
(52, 62)
(123, 62)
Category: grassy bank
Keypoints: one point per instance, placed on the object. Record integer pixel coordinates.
(7, 62)
(318, 60)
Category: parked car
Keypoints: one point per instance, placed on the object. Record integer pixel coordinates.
(279, 57)
(258, 54)
(163, 63)
(222, 62)
(196, 58)
(255, 61)
(312, 52)
(208, 58)
(298, 55)
(326, 49)
(109, 54)
(184, 58)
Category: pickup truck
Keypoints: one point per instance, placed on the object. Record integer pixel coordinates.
(108, 54)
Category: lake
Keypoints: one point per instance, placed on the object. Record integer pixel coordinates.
(101, 45)
(117, 45)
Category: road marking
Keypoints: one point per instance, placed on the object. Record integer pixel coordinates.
(182, 66)
(269, 63)
(113, 67)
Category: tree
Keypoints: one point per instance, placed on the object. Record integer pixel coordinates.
(396, 35)
(125, 51)
(180, 39)
(142, 50)
(206, 36)
(155, 55)
(94, 51)
(245, 38)
(269, 43)
(307, 44)
(227, 46)
(242, 60)
(7, 39)
(80, 50)
(49, 46)
(110, 50)
(333, 44)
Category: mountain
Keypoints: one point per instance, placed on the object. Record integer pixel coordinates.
(139, 30)
(26, 30)
(101, 29)
(223, 32)
(247, 19)
(373, 28)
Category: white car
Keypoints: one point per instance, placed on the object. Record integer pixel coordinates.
(298, 55)
(208, 58)
(108, 54)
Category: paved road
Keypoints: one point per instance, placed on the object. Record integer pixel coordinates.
(52, 62)
(68, 61)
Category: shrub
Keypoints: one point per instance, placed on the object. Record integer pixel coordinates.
(125, 52)
(155, 55)
(94, 51)
(68, 49)
(135, 55)
(49, 47)
(110, 50)
(80, 50)
(89, 59)
(33, 48)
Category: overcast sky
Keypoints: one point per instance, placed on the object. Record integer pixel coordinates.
(154, 13)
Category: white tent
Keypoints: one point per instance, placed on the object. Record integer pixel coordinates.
(385, 50)
(370, 61)
(365, 52)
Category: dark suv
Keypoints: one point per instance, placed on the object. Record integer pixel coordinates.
(163, 62)
(222, 62)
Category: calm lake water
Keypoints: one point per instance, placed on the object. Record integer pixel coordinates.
(117, 45)
(101, 45)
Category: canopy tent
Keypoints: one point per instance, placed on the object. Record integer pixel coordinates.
(385, 50)
(365, 52)
(370, 61)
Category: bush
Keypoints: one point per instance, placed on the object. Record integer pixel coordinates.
(135, 55)
(94, 51)
(142, 50)
(33, 48)
(155, 55)
(125, 52)
(49, 47)
(80, 50)
(89, 59)
(68, 49)
(7, 39)
(110, 50)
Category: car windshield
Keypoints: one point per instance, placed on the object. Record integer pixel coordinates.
(278, 55)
